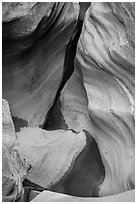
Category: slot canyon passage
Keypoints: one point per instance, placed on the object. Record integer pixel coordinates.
(68, 101)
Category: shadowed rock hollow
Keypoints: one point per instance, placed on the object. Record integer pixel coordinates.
(68, 90)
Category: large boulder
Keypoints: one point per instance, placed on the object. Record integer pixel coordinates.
(51, 154)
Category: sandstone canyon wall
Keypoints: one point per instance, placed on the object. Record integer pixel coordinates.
(68, 76)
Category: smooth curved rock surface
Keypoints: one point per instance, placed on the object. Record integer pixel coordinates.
(48, 196)
(50, 154)
(99, 96)
(35, 73)
(86, 107)
(106, 56)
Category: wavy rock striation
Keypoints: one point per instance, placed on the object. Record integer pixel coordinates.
(72, 77)
(35, 73)
(105, 55)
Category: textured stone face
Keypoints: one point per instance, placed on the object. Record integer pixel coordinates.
(105, 55)
(68, 75)
(50, 154)
(33, 50)
(14, 170)
(8, 130)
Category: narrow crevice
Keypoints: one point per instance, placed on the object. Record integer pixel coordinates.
(68, 70)
(19, 123)
(33, 186)
(50, 123)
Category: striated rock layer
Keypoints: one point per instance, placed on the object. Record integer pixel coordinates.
(82, 106)
(33, 50)
(105, 55)
(99, 96)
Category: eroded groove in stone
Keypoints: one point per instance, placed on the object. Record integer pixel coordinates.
(68, 68)
(106, 56)
(67, 72)
(84, 87)
(28, 56)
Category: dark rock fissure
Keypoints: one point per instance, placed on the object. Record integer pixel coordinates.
(33, 186)
(19, 123)
(67, 72)
(87, 171)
